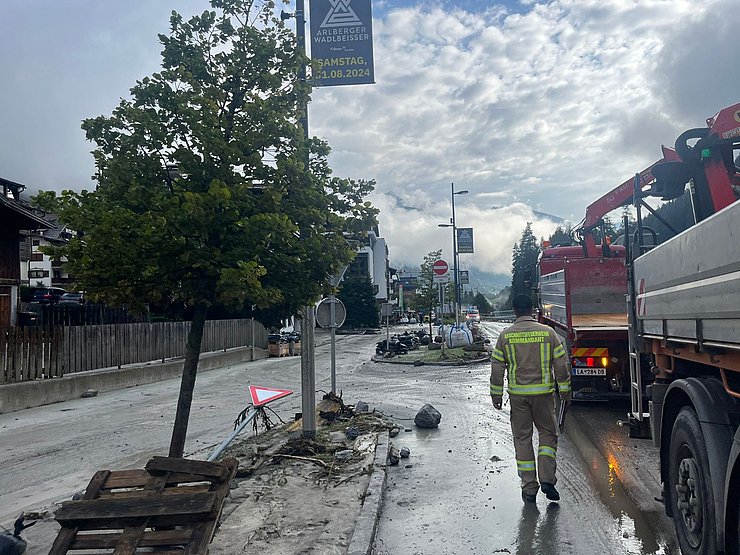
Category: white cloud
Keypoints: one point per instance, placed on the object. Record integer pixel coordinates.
(549, 107)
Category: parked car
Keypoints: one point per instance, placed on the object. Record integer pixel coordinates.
(72, 299)
(48, 295)
(403, 319)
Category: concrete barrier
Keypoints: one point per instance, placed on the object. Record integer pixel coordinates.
(24, 395)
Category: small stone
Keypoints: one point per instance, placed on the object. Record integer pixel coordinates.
(393, 432)
(344, 455)
(393, 456)
(405, 429)
(495, 458)
(352, 432)
(361, 406)
(626, 535)
(405, 452)
(90, 393)
(409, 466)
(418, 363)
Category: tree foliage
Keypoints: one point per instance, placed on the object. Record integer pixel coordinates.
(358, 297)
(427, 292)
(251, 216)
(523, 267)
(482, 303)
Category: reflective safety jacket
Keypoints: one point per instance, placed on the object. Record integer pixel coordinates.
(531, 352)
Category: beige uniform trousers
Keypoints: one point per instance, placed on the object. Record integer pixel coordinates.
(540, 411)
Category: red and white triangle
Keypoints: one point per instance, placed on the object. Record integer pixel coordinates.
(263, 395)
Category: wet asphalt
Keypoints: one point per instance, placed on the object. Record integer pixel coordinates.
(457, 493)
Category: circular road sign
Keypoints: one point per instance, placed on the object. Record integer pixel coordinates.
(440, 267)
(323, 313)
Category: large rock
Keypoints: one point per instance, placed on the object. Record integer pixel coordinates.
(428, 417)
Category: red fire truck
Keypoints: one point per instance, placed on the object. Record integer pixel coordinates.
(582, 292)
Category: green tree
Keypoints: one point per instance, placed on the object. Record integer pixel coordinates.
(359, 299)
(561, 237)
(427, 292)
(524, 262)
(244, 220)
(482, 303)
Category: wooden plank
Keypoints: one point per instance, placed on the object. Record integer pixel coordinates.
(119, 513)
(130, 537)
(151, 538)
(67, 534)
(138, 478)
(159, 465)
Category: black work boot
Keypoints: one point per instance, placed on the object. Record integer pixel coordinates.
(550, 492)
(529, 497)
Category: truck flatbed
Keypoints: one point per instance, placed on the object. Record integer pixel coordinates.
(585, 322)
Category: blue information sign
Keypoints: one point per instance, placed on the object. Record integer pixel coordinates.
(464, 240)
(341, 42)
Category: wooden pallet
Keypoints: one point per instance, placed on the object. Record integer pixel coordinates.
(172, 505)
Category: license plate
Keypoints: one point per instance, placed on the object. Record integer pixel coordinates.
(589, 371)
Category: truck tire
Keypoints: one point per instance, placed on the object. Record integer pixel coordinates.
(689, 486)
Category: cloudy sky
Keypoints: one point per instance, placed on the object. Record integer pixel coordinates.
(528, 105)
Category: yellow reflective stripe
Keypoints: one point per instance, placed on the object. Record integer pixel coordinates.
(498, 355)
(558, 352)
(564, 387)
(525, 466)
(546, 451)
(533, 389)
(511, 352)
(497, 390)
(545, 362)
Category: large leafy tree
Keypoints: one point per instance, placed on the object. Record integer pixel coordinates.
(357, 294)
(523, 267)
(251, 216)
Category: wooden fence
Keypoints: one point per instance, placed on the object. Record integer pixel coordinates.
(30, 353)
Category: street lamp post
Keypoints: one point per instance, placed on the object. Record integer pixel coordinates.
(455, 256)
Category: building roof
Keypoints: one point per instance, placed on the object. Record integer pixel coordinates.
(20, 217)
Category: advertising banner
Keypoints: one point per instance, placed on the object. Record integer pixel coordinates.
(341, 42)
(465, 240)
(464, 277)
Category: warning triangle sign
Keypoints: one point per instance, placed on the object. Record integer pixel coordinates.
(340, 14)
(263, 395)
(464, 234)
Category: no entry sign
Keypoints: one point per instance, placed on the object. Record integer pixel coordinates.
(440, 267)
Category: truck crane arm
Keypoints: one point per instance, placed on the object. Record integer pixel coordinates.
(616, 198)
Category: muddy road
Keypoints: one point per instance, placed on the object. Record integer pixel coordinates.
(461, 494)
(457, 493)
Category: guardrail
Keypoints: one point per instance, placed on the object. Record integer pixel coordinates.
(499, 316)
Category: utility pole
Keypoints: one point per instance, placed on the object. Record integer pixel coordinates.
(308, 362)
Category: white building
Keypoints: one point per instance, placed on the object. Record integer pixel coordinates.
(372, 260)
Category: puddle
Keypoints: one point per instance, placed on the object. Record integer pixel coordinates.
(638, 530)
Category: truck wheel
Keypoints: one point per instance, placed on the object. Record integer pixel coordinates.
(690, 486)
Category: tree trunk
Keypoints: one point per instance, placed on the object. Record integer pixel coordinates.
(189, 371)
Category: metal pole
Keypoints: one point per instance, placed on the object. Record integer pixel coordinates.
(442, 297)
(228, 440)
(333, 323)
(308, 373)
(454, 261)
(252, 333)
(308, 369)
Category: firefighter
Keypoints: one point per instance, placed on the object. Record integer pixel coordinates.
(530, 352)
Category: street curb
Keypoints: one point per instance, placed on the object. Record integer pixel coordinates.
(363, 535)
(486, 358)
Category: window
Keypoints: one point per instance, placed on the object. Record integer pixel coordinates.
(37, 257)
(38, 273)
(36, 242)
